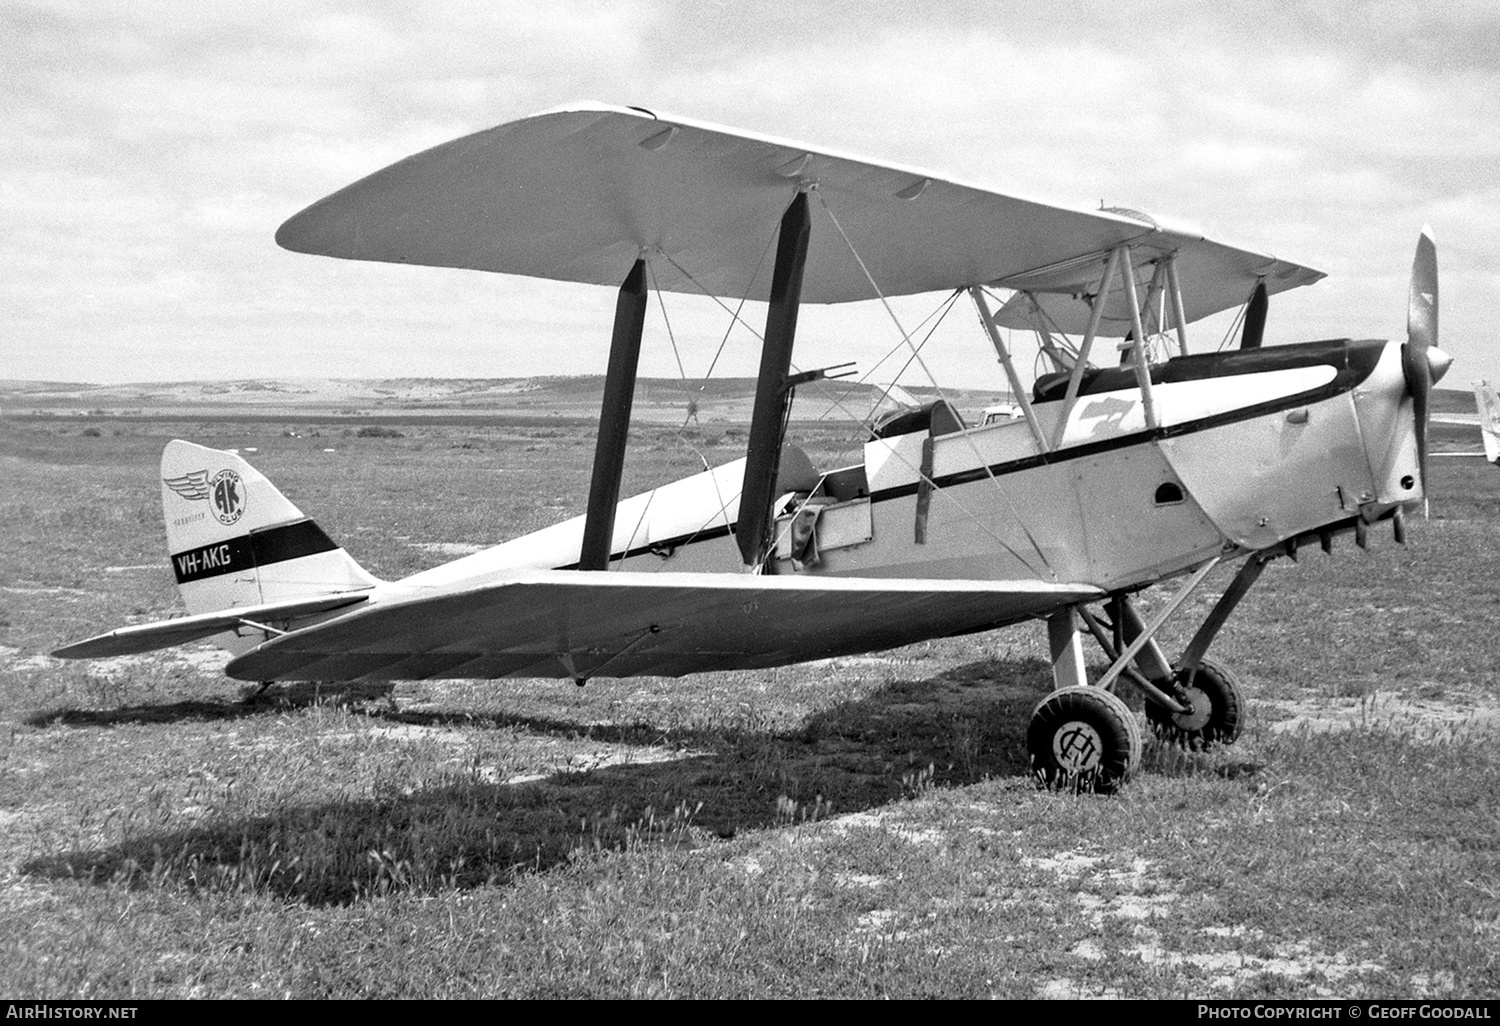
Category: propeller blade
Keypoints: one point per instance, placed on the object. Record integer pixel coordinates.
(1422, 304)
(1422, 363)
(1255, 318)
(1419, 384)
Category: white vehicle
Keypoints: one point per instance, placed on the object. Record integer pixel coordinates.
(1002, 413)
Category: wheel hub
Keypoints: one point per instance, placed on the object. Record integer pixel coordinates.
(1202, 709)
(1077, 747)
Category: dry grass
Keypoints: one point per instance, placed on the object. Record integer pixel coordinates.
(864, 827)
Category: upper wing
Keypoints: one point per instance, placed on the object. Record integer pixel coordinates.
(577, 194)
(565, 623)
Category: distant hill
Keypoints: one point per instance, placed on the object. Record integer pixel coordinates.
(661, 399)
(722, 399)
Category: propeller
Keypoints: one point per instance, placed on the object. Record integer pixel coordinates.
(1422, 363)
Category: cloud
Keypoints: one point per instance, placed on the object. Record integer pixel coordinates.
(149, 150)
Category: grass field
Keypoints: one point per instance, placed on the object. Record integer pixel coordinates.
(862, 827)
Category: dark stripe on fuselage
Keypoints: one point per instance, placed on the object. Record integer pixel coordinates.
(1352, 361)
(248, 551)
(1341, 353)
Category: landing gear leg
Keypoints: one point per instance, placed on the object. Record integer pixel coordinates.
(1194, 703)
(1087, 738)
(1080, 738)
(1066, 645)
(1214, 694)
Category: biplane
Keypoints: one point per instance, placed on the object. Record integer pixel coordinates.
(1131, 460)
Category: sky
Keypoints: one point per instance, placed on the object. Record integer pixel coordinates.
(151, 149)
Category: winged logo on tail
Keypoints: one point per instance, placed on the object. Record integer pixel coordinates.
(192, 486)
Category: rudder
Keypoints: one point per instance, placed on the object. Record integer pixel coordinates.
(235, 540)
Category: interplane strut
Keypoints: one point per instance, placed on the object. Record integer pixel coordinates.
(771, 396)
(614, 421)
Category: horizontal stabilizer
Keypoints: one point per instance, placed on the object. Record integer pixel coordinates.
(147, 637)
(575, 624)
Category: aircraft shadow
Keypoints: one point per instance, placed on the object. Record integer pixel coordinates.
(280, 698)
(963, 726)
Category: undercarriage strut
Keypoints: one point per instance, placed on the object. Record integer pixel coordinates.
(1130, 642)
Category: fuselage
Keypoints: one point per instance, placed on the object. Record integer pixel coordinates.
(1248, 449)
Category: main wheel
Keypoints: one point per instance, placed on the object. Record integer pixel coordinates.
(1218, 710)
(1084, 739)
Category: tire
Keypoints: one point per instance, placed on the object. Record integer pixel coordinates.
(1218, 710)
(1083, 739)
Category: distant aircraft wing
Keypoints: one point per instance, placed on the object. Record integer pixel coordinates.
(573, 624)
(1488, 404)
(147, 637)
(578, 193)
(1487, 421)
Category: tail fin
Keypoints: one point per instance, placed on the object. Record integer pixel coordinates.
(235, 540)
(1489, 419)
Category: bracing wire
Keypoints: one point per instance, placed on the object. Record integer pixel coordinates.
(1050, 323)
(940, 312)
(736, 318)
(687, 390)
(917, 356)
(964, 511)
(1239, 319)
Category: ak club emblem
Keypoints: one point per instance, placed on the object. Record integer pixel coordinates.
(225, 492)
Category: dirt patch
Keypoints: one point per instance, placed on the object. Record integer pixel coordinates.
(21, 589)
(1136, 897)
(1424, 717)
(613, 755)
(450, 548)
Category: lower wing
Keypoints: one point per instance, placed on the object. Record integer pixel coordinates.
(573, 624)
